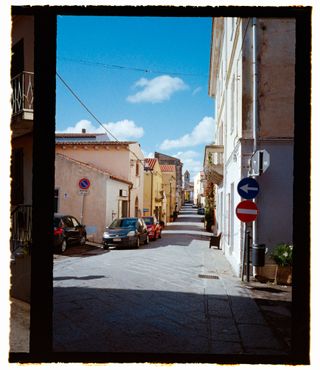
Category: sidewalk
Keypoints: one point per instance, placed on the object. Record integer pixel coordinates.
(19, 326)
(272, 301)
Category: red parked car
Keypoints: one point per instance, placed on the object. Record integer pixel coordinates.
(154, 228)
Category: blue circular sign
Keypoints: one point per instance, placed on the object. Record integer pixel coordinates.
(84, 184)
(248, 188)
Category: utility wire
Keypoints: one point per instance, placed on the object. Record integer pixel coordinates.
(93, 115)
(119, 67)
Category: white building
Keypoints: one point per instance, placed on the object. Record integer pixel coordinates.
(254, 110)
(198, 195)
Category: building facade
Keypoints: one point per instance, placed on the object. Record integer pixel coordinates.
(168, 160)
(252, 78)
(198, 195)
(122, 159)
(22, 82)
(170, 186)
(154, 197)
(105, 199)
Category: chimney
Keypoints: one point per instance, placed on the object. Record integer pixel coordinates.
(83, 130)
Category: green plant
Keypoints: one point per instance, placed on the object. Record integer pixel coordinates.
(282, 254)
(208, 219)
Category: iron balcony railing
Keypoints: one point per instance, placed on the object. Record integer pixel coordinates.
(21, 226)
(22, 93)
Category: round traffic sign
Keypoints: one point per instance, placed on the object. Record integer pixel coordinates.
(248, 188)
(84, 184)
(247, 211)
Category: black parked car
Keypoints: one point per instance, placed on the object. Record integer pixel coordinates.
(67, 230)
(126, 232)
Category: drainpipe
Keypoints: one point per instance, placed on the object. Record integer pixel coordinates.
(254, 111)
(151, 199)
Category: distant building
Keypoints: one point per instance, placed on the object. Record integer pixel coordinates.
(166, 159)
(254, 111)
(154, 200)
(187, 188)
(169, 185)
(198, 192)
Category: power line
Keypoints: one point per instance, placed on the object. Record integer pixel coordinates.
(93, 115)
(119, 67)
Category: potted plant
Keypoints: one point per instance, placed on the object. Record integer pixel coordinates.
(282, 255)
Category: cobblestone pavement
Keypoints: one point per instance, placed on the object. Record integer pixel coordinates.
(174, 295)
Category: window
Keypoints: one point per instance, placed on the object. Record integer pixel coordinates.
(17, 196)
(17, 63)
(137, 169)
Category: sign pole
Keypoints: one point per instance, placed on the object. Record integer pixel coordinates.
(248, 254)
(82, 207)
(244, 251)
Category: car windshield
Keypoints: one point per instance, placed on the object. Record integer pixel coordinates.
(125, 223)
(148, 220)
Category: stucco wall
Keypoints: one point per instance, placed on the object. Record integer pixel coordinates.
(113, 200)
(114, 160)
(275, 199)
(276, 40)
(89, 209)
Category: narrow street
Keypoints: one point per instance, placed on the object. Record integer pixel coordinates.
(174, 295)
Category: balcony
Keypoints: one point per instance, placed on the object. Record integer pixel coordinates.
(22, 103)
(213, 163)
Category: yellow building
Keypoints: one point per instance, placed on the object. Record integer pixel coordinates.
(153, 199)
(169, 186)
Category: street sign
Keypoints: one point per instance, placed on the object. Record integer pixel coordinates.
(247, 211)
(248, 188)
(83, 192)
(259, 162)
(84, 184)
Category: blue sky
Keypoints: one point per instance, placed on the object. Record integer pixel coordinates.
(144, 78)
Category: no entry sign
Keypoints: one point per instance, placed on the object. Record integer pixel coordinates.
(247, 211)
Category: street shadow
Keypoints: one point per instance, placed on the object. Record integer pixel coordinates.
(82, 251)
(88, 277)
(111, 325)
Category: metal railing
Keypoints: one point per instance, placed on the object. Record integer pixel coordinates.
(22, 93)
(21, 226)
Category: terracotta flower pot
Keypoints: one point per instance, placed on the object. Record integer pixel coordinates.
(283, 275)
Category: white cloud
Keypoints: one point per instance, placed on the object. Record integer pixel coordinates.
(203, 133)
(122, 130)
(157, 90)
(147, 155)
(192, 161)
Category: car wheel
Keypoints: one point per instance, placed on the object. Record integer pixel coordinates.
(106, 246)
(147, 240)
(83, 240)
(63, 246)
